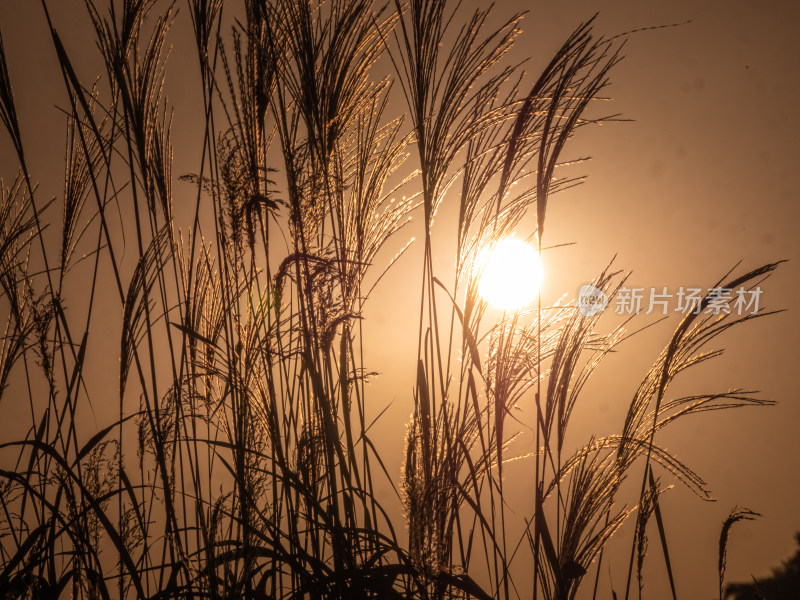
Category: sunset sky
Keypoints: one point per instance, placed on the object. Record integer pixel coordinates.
(703, 176)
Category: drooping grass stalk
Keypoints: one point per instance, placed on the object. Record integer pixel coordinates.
(736, 515)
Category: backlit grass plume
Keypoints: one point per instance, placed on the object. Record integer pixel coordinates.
(183, 353)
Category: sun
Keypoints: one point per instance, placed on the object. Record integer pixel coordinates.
(510, 274)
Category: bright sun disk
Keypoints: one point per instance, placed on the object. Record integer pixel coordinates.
(511, 274)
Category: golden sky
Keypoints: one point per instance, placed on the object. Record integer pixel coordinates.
(704, 176)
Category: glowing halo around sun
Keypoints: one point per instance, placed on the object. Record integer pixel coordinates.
(510, 274)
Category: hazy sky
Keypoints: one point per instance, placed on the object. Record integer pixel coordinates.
(704, 177)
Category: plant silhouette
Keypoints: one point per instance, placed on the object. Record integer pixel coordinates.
(783, 584)
(213, 321)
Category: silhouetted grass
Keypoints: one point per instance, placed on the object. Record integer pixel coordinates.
(240, 462)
